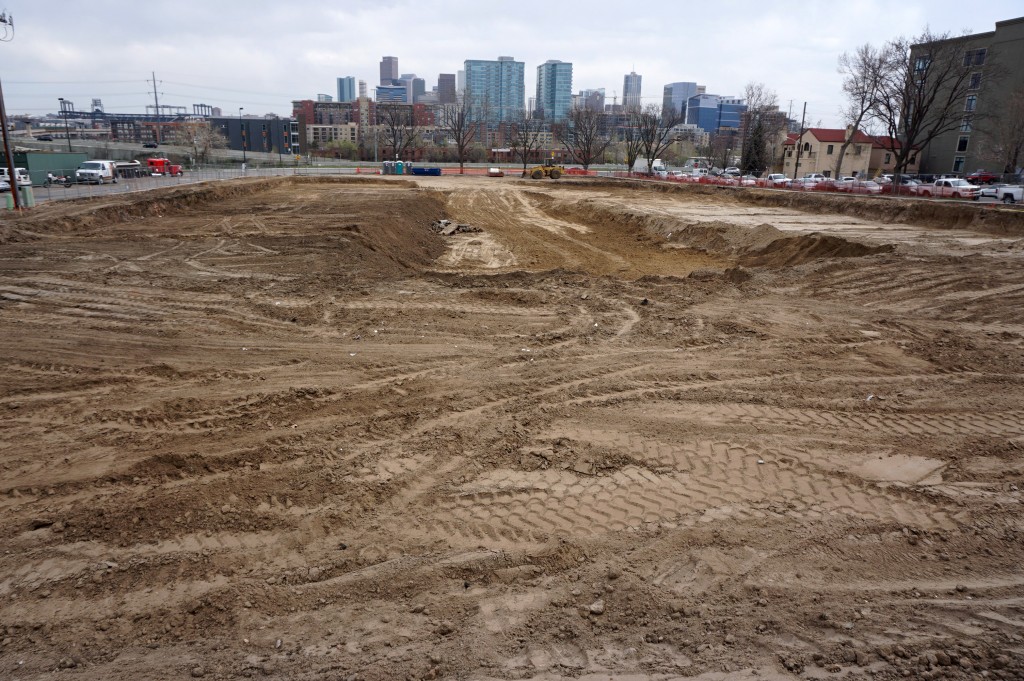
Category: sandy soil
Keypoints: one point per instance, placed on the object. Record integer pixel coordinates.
(282, 429)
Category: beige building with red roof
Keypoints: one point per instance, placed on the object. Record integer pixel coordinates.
(866, 156)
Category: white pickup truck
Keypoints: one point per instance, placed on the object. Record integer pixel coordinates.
(955, 188)
(1007, 193)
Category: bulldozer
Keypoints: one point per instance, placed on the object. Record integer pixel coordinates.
(546, 169)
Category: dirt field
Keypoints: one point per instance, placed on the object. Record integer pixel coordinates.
(282, 429)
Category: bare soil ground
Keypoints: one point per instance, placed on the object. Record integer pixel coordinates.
(282, 429)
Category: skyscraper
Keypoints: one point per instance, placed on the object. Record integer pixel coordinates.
(446, 88)
(554, 89)
(676, 96)
(362, 88)
(346, 89)
(631, 90)
(592, 99)
(497, 85)
(388, 70)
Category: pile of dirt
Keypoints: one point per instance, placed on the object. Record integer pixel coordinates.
(83, 215)
(987, 218)
(763, 245)
(796, 250)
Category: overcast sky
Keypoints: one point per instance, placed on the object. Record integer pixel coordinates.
(262, 55)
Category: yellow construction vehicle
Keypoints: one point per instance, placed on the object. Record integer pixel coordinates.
(546, 169)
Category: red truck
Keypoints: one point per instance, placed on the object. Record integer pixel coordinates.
(983, 177)
(162, 166)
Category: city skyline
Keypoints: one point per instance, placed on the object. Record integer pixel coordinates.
(196, 63)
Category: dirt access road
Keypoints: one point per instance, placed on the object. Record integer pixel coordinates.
(282, 429)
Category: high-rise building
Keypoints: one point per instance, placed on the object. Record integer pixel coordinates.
(713, 113)
(392, 93)
(346, 89)
(446, 88)
(676, 95)
(388, 70)
(362, 89)
(554, 89)
(499, 86)
(592, 99)
(324, 98)
(631, 90)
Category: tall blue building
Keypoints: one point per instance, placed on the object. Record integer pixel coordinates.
(713, 112)
(554, 89)
(346, 89)
(499, 86)
(676, 96)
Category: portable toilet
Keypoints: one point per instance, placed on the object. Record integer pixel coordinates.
(399, 168)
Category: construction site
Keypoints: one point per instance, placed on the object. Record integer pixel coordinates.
(379, 428)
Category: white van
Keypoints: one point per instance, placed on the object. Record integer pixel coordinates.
(23, 179)
(96, 172)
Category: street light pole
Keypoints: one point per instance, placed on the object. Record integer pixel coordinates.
(241, 131)
(67, 131)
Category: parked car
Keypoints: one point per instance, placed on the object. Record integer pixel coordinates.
(677, 175)
(843, 184)
(979, 177)
(495, 172)
(951, 188)
(777, 180)
(804, 183)
(5, 186)
(817, 177)
(748, 181)
(150, 145)
(45, 138)
(21, 174)
(731, 170)
(865, 187)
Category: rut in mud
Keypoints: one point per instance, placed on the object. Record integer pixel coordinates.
(284, 430)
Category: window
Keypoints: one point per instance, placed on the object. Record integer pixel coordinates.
(961, 144)
(921, 63)
(965, 124)
(888, 158)
(958, 164)
(975, 81)
(856, 150)
(829, 150)
(972, 103)
(807, 146)
(975, 57)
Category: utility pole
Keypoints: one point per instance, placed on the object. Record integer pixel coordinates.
(6, 35)
(799, 140)
(156, 104)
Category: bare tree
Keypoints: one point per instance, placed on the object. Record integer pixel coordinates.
(398, 128)
(525, 132)
(862, 74)
(461, 122)
(632, 140)
(764, 124)
(1002, 138)
(923, 91)
(581, 136)
(655, 128)
(201, 137)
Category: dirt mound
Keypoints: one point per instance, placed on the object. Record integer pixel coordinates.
(763, 245)
(987, 218)
(797, 250)
(83, 215)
